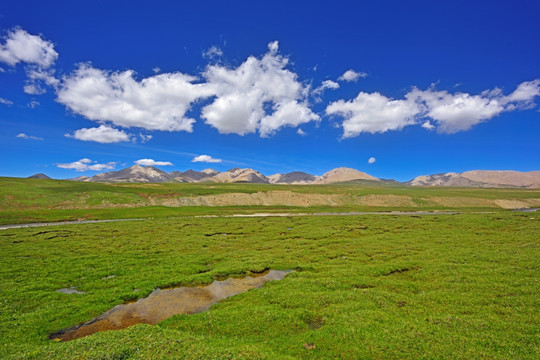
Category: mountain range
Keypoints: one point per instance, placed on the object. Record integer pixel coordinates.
(475, 178)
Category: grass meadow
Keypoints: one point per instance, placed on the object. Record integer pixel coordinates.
(462, 286)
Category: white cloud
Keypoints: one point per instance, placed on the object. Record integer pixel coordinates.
(373, 113)
(301, 132)
(33, 104)
(351, 75)
(87, 164)
(151, 162)
(145, 138)
(20, 46)
(158, 102)
(205, 158)
(329, 84)
(47, 76)
(156, 70)
(34, 89)
(273, 47)
(326, 84)
(259, 95)
(213, 52)
(28, 137)
(371, 160)
(6, 102)
(456, 112)
(37, 77)
(103, 134)
(427, 125)
(524, 94)
(441, 110)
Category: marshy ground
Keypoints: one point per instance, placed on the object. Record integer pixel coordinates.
(364, 286)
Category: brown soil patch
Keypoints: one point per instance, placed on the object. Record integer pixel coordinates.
(286, 198)
(461, 201)
(512, 204)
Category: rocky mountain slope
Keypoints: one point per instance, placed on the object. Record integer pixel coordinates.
(481, 178)
(295, 177)
(135, 173)
(193, 176)
(240, 176)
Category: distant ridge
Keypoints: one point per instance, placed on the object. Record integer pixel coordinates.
(474, 178)
(481, 178)
(135, 173)
(38, 176)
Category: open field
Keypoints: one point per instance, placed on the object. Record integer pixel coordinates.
(372, 286)
(36, 200)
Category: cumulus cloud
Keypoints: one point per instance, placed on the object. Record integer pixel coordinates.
(439, 109)
(301, 132)
(158, 102)
(156, 70)
(28, 137)
(371, 160)
(205, 158)
(6, 102)
(37, 77)
(213, 52)
(87, 164)
(151, 162)
(456, 112)
(103, 134)
(326, 84)
(259, 95)
(351, 75)
(373, 113)
(21, 46)
(524, 94)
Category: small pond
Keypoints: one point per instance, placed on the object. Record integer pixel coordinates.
(162, 304)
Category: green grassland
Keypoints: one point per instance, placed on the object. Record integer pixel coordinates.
(37, 200)
(462, 286)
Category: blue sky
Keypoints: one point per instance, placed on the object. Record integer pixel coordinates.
(420, 87)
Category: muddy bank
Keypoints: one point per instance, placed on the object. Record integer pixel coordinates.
(286, 198)
(162, 304)
(289, 198)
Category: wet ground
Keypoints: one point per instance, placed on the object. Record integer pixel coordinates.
(17, 226)
(162, 304)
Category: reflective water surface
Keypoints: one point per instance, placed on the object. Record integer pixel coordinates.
(162, 304)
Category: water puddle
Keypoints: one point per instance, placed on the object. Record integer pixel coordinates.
(162, 304)
(71, 290)
(527, 210)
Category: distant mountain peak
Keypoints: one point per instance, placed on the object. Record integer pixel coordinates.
(474, 178)
(342, 174)
(38, 176)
